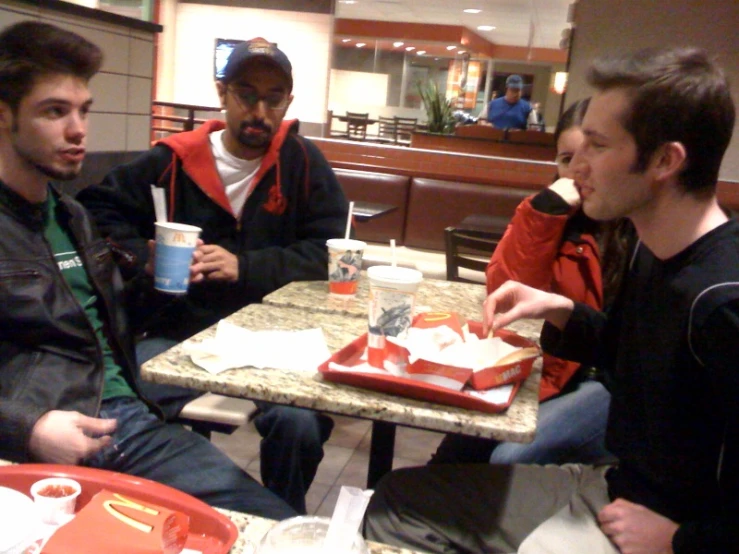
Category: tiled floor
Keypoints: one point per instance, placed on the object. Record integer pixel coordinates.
(345, 459)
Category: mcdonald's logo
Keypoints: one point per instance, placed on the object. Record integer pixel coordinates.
(178, 238)
(110, 507)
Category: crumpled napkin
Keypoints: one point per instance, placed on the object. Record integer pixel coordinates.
(234, 346)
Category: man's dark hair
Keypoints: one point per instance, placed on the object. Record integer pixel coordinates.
(31, 49)
(677, 94)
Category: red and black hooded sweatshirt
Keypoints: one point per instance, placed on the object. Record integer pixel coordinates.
(296, 204)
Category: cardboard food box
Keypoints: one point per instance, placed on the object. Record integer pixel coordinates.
(118, 524)
(511, 368)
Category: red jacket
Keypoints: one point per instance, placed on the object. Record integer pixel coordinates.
(533, 252)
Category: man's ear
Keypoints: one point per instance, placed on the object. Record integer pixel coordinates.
(221, 88)
(669, 160)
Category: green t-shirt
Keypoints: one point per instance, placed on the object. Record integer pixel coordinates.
(73, 270)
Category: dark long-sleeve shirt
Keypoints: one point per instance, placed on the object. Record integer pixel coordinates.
(671, 348)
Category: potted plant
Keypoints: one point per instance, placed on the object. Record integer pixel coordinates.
(438, 108)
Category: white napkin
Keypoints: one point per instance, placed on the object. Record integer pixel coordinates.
(234, 346)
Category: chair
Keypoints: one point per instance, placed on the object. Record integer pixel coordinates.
(386, 132)
(330, 132)
(468, 249)
(404, 126)
(356, 125)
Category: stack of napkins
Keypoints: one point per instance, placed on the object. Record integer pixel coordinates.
(234, 346)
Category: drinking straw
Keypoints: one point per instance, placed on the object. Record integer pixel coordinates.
(160, 209)
(392, 253)
(349, 220)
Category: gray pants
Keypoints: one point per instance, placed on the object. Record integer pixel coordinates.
(528, 509)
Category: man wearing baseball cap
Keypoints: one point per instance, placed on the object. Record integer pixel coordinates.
(510, 111)
(267, 201)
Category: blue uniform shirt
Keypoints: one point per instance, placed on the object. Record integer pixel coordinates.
(508, 116)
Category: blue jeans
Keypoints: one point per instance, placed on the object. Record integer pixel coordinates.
(571, 429)
(292, 438)
(291, 449)
(145, 446)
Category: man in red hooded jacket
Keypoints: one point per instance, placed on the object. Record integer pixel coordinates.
(266, 200)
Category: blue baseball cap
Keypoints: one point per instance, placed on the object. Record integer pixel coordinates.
(514, 81)
(253, 49)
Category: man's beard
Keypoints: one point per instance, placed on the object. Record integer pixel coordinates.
(255, 141)
(56, 174)
(49, 171)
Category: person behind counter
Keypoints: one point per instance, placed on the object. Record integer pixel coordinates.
(267, 201)
(510, 111)
(656, 131)
(67, 388)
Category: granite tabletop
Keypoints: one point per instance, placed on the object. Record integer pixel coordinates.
(433, 295)
(309, 390)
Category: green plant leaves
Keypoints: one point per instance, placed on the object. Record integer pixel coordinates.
(438, 108)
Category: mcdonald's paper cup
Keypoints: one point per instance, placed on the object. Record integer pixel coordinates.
(391, 304)
(344, 265)
(175, 243)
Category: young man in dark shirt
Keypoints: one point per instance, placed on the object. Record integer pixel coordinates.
(656, 131)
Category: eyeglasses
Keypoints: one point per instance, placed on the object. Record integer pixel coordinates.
(273, 100)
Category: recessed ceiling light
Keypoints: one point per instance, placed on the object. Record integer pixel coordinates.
(472, 10)
(360, 44)
(410, 48)
(461, 51)
(451, 47)
(346, 40)
(420, 52)
(398, 44)
(486, 28)
(347, 1)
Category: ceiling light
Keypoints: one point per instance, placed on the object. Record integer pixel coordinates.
(347, 1)
(346, 40)
(461, 51)
(451, 47)
(472, 10)
(360, 44)
(398, 44)
(486, 28)
(420, 52)
(410, 48)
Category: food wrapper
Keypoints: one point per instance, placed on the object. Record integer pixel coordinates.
(118, 524)
(443, 350)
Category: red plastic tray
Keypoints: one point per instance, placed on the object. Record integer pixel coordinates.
(210, 531)
(403, 386)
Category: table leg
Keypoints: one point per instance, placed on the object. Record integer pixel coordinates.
(382, 448)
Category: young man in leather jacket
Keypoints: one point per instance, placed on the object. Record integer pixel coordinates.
(67, 388)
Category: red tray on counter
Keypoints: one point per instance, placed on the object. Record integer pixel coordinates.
(412, 388)
(210, 531)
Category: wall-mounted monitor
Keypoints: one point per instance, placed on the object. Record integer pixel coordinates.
(223, 49)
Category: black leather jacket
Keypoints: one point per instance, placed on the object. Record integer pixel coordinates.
(49, 356)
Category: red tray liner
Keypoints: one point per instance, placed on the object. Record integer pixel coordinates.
(210, 531)
(419, 390)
